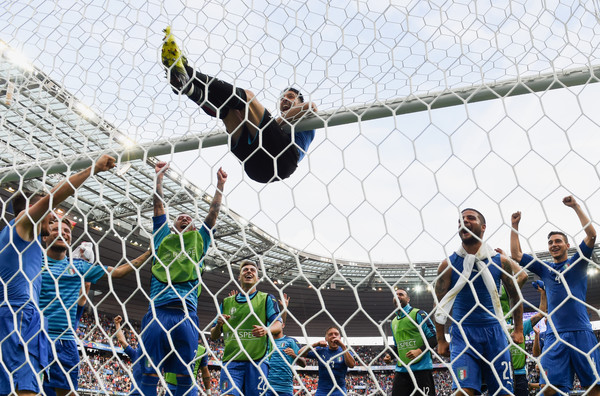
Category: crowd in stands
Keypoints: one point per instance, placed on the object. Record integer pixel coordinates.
(104, 370)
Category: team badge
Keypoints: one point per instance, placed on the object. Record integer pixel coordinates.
(461, 373)
(71, 270)
(232, 310)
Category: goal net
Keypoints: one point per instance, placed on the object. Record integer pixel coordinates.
(421, 109)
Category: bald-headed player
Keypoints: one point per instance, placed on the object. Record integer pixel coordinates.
(172, 319)
(23, 348)
(267, 152)
(480, 350)
(572, 347)
(413, 350)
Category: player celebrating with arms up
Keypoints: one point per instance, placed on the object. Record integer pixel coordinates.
(573, 347)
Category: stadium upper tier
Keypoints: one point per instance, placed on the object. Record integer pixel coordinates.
(46, 130)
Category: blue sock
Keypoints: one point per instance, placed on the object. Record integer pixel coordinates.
(185, 384)
(148, 385)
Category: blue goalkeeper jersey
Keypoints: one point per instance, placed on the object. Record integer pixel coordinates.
(61, 284)
(281, 376)
(566, 299)
(175, 293)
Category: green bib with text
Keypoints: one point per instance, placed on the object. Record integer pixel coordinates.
(242, 323)
(178, 257)
(407, 336)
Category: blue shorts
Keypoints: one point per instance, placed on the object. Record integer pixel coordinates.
(170, 340)
(244, 378)
(560, 360)
(23, 367)
(63, 366)
(485, 356)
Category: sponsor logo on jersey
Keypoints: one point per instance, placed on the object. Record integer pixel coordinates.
(407, 344)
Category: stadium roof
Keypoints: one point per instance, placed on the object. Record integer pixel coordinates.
(41, 123)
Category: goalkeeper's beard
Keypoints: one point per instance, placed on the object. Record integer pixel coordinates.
(57, 249)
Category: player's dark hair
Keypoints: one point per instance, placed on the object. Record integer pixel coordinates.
(405, 291)
(481, 217)
(559, 233)
(19, 201)
(297, 92)
(332, 327)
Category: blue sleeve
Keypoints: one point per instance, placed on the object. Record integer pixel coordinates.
(204, 360)
(576, 259)
(160, 229)
(427, 326)
(220, 311)
(527, 327)
(311, 355)
(205, 234)
(91, 273)
(132, 353)
(80, 309)
(272, 310)
(532, 265)
(295, 346)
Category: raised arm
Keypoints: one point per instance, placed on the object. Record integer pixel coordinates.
(511, 286)
(348, 358)
(543, 308)
(124, 269)
(215, 206)
(119, 333)
(515, 244)
(285, 303)
(520, 273)
(306, 348)
(205, 377)
(442, 285)
(26, 219)
(83, 293)
(590, 231)
(159, 205)
(297, 112)
(536, 351)
(217, 329)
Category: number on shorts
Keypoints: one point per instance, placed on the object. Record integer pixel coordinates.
(507, 373)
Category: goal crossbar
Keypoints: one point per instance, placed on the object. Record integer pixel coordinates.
(376, 110)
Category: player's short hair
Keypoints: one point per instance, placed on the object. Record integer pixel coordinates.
(481, 216)
(245, 263)
(405, 291)
(565, 237)
(332, 327)
(297, 92)
(19, 201)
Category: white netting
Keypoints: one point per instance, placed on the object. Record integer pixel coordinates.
(424, 108)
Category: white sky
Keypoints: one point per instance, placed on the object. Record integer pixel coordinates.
(386, 190)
